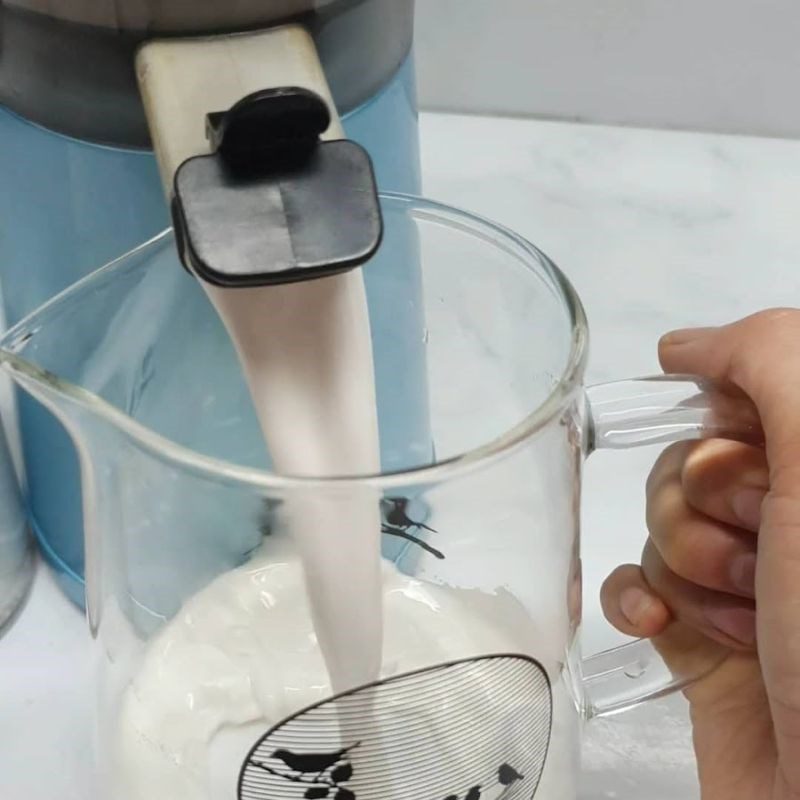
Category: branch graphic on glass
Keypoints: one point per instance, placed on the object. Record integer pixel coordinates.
(477, 729)
(396, 522)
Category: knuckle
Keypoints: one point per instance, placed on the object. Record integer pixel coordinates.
(717, 467)
(654, 514)
(678, 540)
(695, 468)
(665, 510)
(780, 315)
(668, 464)
(762, 336)
(657, 573)
(678, 552)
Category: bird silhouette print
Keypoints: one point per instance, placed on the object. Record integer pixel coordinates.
(477, 729)
(311, 762)
(396, 514)
(507, 776)
(396, 522)
(313, 769)
(325, 773)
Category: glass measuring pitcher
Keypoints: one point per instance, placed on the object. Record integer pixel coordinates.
(211, 681)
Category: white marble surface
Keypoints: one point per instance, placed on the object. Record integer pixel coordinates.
(656, 230)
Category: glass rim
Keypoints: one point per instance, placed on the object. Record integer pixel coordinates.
(218, 469)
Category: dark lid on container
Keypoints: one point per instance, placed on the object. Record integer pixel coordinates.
(69, 64)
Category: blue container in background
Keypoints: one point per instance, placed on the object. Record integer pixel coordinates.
(68, 206)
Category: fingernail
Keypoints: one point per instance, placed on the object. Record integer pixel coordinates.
(634, 604)
(743, 573)
(684, 336)
(746, 504)
(738, 623)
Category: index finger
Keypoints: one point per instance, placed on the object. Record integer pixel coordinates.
(761, 355)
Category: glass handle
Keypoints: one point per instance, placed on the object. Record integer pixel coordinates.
(662, 409)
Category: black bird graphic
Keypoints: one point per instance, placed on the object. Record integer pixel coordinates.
(312, 762)
(474, 793)
(508, 775)
(396, 513)
(398, 523)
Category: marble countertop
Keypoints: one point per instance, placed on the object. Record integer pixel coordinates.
(656, 230)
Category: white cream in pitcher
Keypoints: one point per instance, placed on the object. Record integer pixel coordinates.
(242, 656)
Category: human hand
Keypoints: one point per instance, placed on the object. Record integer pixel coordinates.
(723, 559)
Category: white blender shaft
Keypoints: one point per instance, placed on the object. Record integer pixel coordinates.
(306, 347)
(181, 81)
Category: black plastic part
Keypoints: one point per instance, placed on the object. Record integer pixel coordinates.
(268, 128)
(294, 225)
(274, 204)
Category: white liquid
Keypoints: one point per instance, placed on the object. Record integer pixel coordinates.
(241, 656)
(306, 351)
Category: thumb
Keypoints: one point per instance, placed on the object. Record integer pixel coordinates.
(761, 355)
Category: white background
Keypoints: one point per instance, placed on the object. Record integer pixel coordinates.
(720, 65)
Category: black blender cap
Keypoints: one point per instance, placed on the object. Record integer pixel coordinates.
(273, 203)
